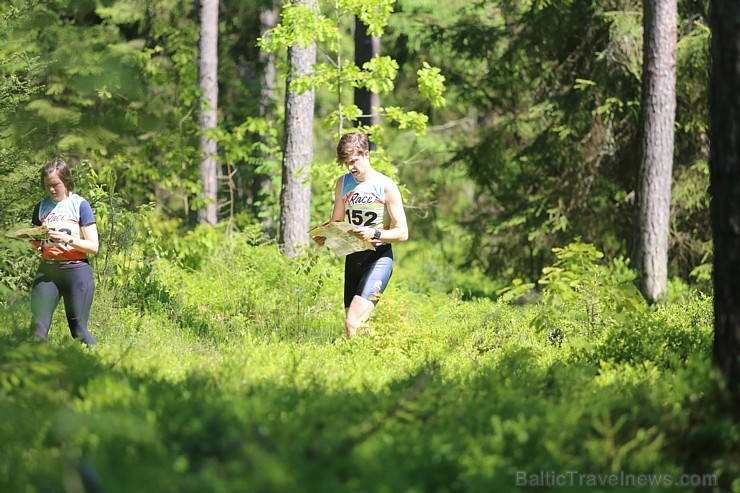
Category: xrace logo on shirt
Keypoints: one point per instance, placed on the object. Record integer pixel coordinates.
(56, 217)
(359, 198)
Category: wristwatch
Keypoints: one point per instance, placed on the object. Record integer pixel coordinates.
(71, 240)
(376, 235)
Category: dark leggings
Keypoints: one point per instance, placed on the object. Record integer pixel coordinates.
(74, 283)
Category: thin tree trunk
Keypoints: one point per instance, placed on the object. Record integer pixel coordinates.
(724, 114)
(263, 184)
(208, 80)
(656, 166)
(366, 47)
(295, 196)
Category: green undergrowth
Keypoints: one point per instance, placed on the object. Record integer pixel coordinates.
(234, 376)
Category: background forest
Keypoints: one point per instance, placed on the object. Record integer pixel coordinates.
(537, 144)
(513, 339)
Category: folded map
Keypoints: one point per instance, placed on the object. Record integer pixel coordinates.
(35, 233)
(338, 239)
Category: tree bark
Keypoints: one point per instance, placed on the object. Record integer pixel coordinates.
(262, 183)
(366, 47)
(208, 81)
(295, 195)
(656, 165)
(724, 119)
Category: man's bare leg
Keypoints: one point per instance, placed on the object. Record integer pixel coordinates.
(357, 314)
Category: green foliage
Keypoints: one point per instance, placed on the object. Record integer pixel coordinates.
(431, 84)
(251, 151)
(19, 181)
(17, 268)
(222, 365)
(211, 261)
(550, 163)
(576, 271)
(428, 269)
(691, 235)
(582, 300)
(666, 335)
(236, 375)
(301, 24)
(511, 124)
(118, 89)
(20, 190)
(691, 239)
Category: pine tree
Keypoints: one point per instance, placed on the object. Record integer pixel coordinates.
(658, 117)
(208, 82)
(295, 196)
(725, 185)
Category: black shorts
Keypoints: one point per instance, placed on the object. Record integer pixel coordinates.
(367, 273)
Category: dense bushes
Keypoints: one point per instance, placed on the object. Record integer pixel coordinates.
(235, 376)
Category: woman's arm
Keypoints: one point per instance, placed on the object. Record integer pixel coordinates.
(88, 243)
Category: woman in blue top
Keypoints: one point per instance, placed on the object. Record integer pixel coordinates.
(372, 202)
(64, 271)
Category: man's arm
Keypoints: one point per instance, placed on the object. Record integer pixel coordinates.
(337, 211)
(393, 202)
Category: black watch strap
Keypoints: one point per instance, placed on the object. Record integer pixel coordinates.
(376, 235)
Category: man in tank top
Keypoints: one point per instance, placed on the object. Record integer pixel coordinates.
(371, 202)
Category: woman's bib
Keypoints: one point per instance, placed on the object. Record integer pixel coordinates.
(67, 216)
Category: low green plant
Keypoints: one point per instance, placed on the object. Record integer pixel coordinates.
(582, 297)
(20, 190)
(233, 374)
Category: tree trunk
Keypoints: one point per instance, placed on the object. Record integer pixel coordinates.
(724, 111)
(208, 80)
(656, 165)
(262, 183)
(366, 47)
(295, 195)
